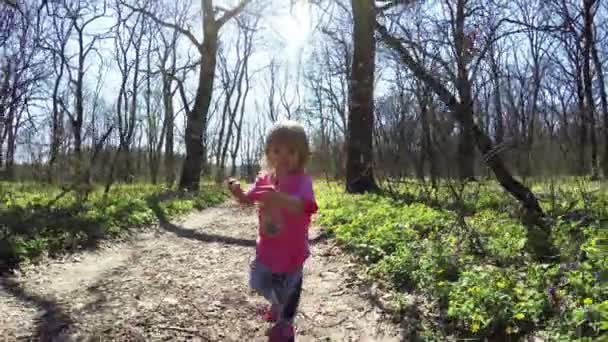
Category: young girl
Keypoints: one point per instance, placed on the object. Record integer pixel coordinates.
(286, 201)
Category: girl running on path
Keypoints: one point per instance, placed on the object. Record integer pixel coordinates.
(284, 194)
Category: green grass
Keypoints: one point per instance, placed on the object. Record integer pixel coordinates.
(479, 274)
(35, 220)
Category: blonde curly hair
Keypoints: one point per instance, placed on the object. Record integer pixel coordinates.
(290, 133)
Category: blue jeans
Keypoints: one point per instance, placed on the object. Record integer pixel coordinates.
(282, 290)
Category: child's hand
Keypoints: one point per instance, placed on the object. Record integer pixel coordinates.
(258, 193)
(235, 187)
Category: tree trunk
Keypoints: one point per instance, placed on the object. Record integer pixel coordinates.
(232, 114)
(499, 130)
(79, 112)
(123, 122)
(10, 151)
(604, 103)
(466, 147)
(57, 125)
(126, 163)
(239, 127)
(4, 89)
(427, 142)
(225, 127)
(466, 150)
(499, 125)
(196, 123)
(77, 131)
(588, 82)
(133, 110)
(359, 154)
(532, 119)
(140, 155)
(582, 152)
(168, 106)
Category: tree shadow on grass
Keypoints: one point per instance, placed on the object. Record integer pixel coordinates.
(51, 322)
(26, 232)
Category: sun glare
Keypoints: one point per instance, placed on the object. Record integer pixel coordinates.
(293, 27)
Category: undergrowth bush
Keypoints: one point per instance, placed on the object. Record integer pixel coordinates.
(467, 254)
(37, 219)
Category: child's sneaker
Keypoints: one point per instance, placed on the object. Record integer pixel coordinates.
(282, 332)
(267, 314)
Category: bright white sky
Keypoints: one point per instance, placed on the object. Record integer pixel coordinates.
(285, 34)
(294, 28)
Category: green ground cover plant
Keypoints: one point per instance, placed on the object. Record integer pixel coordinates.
(38, 219)
(464, 249)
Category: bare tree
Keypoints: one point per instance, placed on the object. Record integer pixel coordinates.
(289, 103)
(128, 40)
(494, 54)
(168, 68)
(252, 148)
(156, 120)
(81, 15)
(327, 76)
(273, 107)
(529, 74)
(21, 70)
(196, 123)
(249, 43)
(230, 79)
(570, 38)
(235, 96)
(238, 125)
(57, 45)
(539, 237)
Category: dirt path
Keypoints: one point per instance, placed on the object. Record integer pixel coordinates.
(185, 281)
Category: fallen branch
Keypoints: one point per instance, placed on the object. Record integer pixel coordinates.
(198, 309)
(190, 331)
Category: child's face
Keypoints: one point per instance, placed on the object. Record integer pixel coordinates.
(283, 158)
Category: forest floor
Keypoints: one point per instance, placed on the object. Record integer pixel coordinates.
(186, 280)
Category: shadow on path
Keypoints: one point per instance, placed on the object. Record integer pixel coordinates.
(408, 317)
(153, 203)
(204, 237)
(51, 322)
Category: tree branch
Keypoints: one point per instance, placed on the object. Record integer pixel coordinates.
(229, 14)
(443, 93)
(161, 22)
(391, 4)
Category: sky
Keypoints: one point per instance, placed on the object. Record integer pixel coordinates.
(287, 34)
(288, 29)
(294, 28)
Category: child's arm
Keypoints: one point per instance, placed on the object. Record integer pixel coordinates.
(235, 189)
(303, 202)
(254, 194)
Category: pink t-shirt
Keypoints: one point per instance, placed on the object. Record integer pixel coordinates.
(286, 251)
